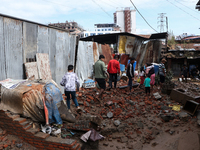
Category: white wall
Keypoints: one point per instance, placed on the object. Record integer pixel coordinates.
(120, 20)
(133, 21)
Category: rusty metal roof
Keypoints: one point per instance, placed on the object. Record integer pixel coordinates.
(113, 38)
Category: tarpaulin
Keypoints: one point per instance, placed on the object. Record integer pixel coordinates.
(27, 100)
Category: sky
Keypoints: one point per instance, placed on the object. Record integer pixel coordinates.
(182, 15)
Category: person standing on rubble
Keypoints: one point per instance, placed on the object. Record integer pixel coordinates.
(184, 72)
(69, 81)
(162, 72)
(147, 84)
(113, 69)
(100, 73)
(130, 73)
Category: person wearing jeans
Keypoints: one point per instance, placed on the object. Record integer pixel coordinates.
(69, 81)
(130, 73)
(113, 69)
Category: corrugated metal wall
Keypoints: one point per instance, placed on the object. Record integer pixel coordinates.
(21, 40)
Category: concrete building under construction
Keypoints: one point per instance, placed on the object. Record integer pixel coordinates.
(126, 20)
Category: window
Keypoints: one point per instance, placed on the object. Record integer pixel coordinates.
(98, 29)
(91, 34)
(86, 34)
(105, 29)
(100, 33)
(109, 29)
(102, 29)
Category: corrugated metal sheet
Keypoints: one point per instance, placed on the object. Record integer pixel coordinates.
(95, 51)
(52, 52)
(60, 42)
(85, 60)
(29, 40)
(106, 51)
(43, 66)
(2, 53)
(43, 40)
(21, 40)
(13, 48)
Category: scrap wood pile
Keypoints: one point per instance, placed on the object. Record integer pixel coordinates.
(133, 115)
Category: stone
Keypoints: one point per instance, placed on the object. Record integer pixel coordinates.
(167, 118)
(109, 114)
(87, 103)
(124, 139)
(140, 125)
(183, 116)
(138, 146)
(157, 95)
(109, 103)
(92, 102)
(105, 144)
(154, 144)
(116, 122)
(164, 107)
(142, 103)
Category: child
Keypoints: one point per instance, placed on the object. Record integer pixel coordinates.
(147, 84)
(142, 75)
(69, 81)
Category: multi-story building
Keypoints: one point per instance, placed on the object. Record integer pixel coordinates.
(72, 27)
(99, 29)
(126, 20)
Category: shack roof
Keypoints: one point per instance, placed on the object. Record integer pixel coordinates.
(113, 37)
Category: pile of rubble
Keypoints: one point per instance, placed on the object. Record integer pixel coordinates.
(122, 117)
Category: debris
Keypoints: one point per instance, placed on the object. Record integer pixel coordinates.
(109, 114)
(116, 122)
(157, 95)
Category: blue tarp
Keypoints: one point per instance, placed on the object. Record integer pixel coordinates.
(53, 96)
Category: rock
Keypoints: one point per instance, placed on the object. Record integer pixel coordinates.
(19, 145)
(87, 103)
(124, 139)
(183, 116)
(105, 144)
(164, 107)
(116, 122)
(138, 146)
(157, 95)
(154, 144)
(167, 118)
(140, 125)
(92, 102)
(142, 103)
(130, 146)
(109, 114)
(109, 103)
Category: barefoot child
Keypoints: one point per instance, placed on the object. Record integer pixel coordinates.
(147, 84)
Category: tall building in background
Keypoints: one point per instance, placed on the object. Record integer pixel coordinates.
(126, 20)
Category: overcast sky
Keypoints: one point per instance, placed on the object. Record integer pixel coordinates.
(182, 15)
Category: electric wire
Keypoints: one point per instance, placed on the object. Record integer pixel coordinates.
(142, 16)
(102, 9)
(183, 10)
(187, 7)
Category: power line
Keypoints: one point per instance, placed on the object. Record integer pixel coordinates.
(142, 16)
(187, 7)
(183, 10)
(102, 8)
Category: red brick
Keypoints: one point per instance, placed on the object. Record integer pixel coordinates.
(42, 135)
(61, 147)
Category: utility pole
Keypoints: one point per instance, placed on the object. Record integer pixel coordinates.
(161, 21)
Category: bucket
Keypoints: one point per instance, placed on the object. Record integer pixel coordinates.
(122, 67)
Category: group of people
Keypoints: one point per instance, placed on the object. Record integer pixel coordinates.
(70, 80)
(149, 72)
